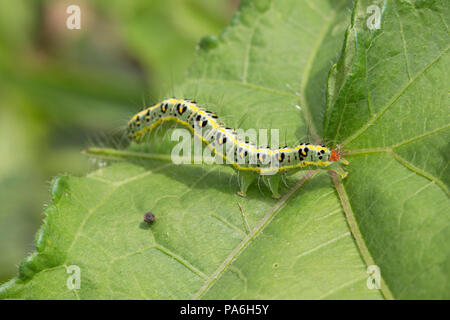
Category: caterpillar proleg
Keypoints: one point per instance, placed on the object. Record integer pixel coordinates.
(272, 164)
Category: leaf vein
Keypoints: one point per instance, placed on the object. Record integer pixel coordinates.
(394, 99)
(250, 237)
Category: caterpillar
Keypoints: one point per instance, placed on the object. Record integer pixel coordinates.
(251, 162)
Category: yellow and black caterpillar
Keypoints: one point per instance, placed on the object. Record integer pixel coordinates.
(251, 161)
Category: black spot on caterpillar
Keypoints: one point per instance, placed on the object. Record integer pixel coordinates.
(249, 160)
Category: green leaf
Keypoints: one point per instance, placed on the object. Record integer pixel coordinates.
(207, 242)
(389, 108)
(315, 242)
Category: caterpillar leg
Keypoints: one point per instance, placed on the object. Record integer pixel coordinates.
(273, 182)
(339, 170)
(245, 179)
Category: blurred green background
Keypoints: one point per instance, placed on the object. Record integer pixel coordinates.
(63, 90)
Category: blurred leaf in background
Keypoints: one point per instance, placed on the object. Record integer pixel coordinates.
(60, 88)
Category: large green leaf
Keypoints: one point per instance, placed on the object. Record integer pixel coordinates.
(209, 243)
(389, 107)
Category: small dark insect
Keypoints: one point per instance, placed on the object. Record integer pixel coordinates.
(149, 217)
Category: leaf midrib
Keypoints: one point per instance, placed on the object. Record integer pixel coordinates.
(404, 162)
(352, 224)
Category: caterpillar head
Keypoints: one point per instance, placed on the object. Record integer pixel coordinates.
(336, 156)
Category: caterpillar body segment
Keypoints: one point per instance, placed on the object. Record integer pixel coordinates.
(251, 162)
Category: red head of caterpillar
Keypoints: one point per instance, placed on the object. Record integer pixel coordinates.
(250, 161)
(335, 155)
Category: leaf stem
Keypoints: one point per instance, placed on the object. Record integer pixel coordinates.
(355, 230)
(109, 153)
